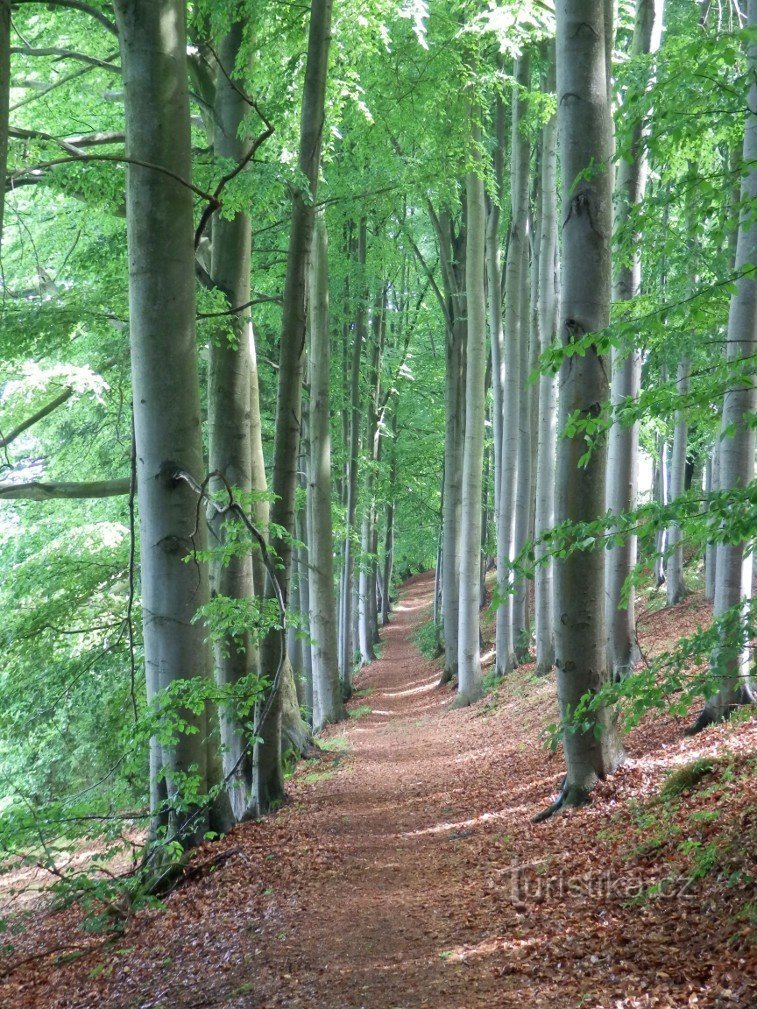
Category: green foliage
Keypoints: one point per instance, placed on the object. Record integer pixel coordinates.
(427, 638)
(686, 777)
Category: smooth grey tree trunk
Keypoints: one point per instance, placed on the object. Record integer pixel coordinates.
(524, 492)
(386, 605)
(452, 263)
(367, 622)
(347, 651)
(229, 421)
(545, 472)
(675, 586)
(167, 420)
(623, 451)
(294, 641)
(327, 697)
(5, 80)
(712, 484)
(733, 579)
(470, 684)
(305, 690)
(585, 126)
(517, 252)
(494, 289)
(268, 777)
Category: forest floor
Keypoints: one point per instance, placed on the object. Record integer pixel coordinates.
(404, 870)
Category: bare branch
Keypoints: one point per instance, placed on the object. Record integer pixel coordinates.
(64, 54)
(37, 491)
(80, 6)
(43, 412)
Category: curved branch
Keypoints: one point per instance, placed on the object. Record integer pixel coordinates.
(79, 5)
(114, 159)
(38, 491)
(64, 54)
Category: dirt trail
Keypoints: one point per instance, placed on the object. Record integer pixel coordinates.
(404, 872)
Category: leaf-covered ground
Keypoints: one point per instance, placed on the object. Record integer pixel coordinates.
(405, 872)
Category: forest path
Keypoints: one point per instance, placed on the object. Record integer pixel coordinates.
(384, 927)
(400, 910)
(404, 872)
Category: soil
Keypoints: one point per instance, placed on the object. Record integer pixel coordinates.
(404, 871)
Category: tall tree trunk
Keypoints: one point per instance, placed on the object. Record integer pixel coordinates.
(367, 578)
(585, 125)
(452, 253)
(269, 783)
(327, 698)
(389, 536)
(661, 496)
(733, 579)
(303, 602)
(167, 419)
(524, 494)
(470, 685)
(675, 585)
(623, 452)
(494, 290)
(712, 484)
(229, 422)
(545, 475)
(347, 652)
(517, 252)
(5, 83)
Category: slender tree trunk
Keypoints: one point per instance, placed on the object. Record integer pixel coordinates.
(229, 422)
(327, 698)
(269, 783)
(516, 257)
(662, 497)
(389, 537)
(674, 581)
(525, 484)
(346, 660)
(585, 123)
(733, 580)
(303, 568)
(494, 291)
(623, 452)
(470, 686)
(167, 417)
(545, 482)
(5, 81)
(452, 250)
(710, 558)
(367, 578)
(294, 641)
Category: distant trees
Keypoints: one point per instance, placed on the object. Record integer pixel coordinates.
(401, 439)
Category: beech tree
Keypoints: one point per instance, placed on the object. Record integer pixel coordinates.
(584, 44)
(732, 660)
(469, 661)
(167, 419)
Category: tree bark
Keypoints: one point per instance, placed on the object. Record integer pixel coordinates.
(585, 125)
(229, 423)
(452, 262)
(347, 653)
(733, 578)
(675, 585)
(5, 80)
(545, 483)
(269, 784)
(327, 698)
(167, 417)
(470, 684)
(623, 452)
(517, 252)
